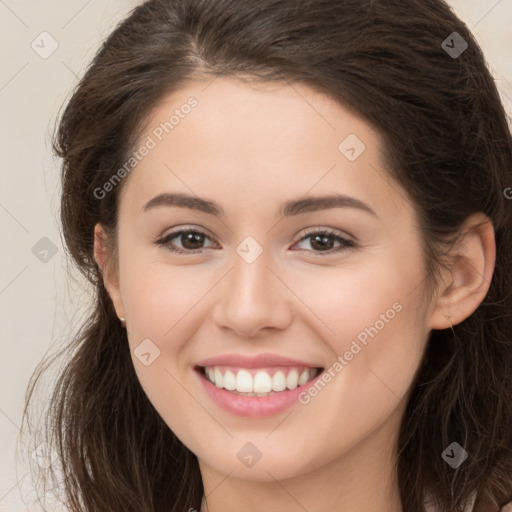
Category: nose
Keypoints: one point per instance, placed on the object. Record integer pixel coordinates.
(253, 297)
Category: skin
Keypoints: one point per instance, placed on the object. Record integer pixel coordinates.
(249, 149)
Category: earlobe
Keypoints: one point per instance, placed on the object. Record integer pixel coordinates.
(472, 261)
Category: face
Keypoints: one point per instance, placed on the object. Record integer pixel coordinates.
(332, 285)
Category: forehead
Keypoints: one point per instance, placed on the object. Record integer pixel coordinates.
(259, 143)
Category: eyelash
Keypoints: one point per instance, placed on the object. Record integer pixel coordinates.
(345, 243)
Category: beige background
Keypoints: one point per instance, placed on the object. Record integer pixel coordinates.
(39, 305)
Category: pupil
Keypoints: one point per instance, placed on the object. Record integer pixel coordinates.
(193, 237)
(323, 244)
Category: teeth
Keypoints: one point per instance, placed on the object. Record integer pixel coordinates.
(279, 381)
(261, 384)
(218, 377)
(229, 381)
(244, 382)
(292, 380)
(303, 378)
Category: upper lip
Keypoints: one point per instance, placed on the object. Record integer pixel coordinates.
(259, 361)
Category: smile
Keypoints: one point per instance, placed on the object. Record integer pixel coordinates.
(247, 396)
(261, 381)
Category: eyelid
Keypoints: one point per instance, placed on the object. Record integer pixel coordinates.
(186, 227)
(349, 242)
(302, 234)
(325, 229)
(174, 233)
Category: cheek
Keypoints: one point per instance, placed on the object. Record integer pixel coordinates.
(162, 316)
(372, 370)
(351, 297)
(374, 317)
(158, 294)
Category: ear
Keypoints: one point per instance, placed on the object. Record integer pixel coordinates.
(471, 267)
(110, 277)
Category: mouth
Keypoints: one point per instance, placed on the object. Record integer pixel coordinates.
(258, 382)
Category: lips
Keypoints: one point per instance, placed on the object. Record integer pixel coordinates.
(217, 375)
(252, 404)
(258, 361)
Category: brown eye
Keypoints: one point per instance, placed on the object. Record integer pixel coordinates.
(322, 242)
(191, 241)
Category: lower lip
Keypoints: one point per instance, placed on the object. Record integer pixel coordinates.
(253, 406)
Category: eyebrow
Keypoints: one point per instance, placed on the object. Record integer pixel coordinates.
(288, 209)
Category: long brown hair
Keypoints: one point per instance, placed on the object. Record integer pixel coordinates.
(447, 143)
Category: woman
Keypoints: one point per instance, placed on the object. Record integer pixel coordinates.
(294, 219)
